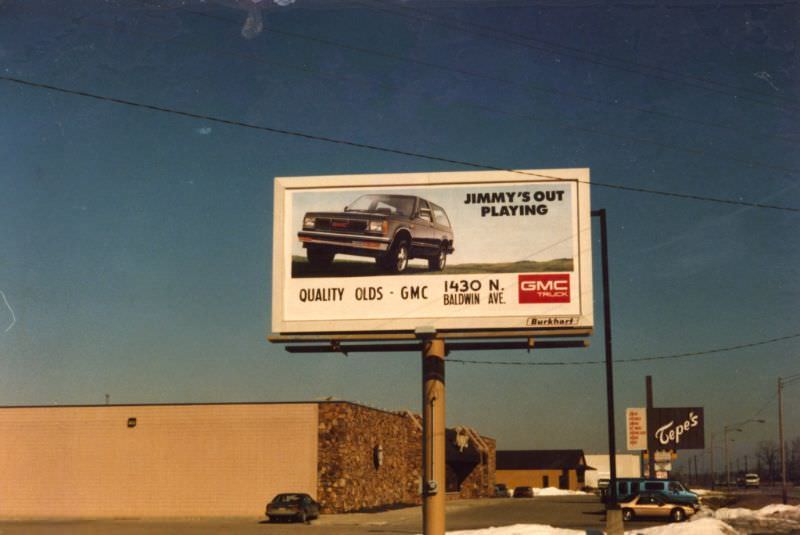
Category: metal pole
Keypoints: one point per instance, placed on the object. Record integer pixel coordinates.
(725, 453)
(613, 513)
(780, 437)
(651, 447)
(713, 474)
(433, 432)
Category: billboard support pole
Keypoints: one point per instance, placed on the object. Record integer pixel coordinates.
(433, 437)
(614, 522)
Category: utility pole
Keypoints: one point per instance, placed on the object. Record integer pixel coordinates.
(782, 382)
(651, 449)
(780, 437)
(713, 475)
(725, 453)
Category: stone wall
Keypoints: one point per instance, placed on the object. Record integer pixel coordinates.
(349, 479)
(480, 482)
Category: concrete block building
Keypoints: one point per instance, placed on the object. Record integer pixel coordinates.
(228, 459)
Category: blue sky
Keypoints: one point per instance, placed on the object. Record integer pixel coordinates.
(136, 245)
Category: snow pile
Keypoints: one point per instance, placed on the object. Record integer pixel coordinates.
(779, 509)
(702, 526)
(520, 529)
(552, 491)
(772, 511)
(774, 518)
(705, 526)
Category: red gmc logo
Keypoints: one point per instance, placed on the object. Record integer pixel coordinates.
(544, 288)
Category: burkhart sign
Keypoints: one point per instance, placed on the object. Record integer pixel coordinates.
(676, 428)
(461, 252)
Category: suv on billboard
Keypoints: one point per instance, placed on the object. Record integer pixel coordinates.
(392, 229)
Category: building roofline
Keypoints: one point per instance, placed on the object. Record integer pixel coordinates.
(191, 404)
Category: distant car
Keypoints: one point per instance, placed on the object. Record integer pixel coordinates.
(752, 480)
(502, 491)
(392, 229)
(523, 492)
(292, 506)
(655, 504)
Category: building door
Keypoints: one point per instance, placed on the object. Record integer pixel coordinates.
(545, 481)
(563, 480)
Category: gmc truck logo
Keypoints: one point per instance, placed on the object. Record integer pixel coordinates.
(544, 288)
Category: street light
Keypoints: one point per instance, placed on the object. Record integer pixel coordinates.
(734, 427)
(711, 450)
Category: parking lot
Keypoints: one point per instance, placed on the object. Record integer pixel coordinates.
(576, 512)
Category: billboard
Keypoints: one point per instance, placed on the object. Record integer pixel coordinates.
(636, 420)
(457, 252)
(676, 428)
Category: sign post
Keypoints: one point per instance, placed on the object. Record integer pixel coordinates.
(433, 437)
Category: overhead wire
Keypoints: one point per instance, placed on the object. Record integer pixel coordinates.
(692, 354)
(506, 81)
(350, 143)
(493, 34)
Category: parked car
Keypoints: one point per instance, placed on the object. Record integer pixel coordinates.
(671, 489)
(292, 506)
(392, 229)
(752, 480)
(502, 491)
(655, 504)
(523, 492)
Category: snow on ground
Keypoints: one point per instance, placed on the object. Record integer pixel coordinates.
(701, 526)
(704, 526)
(774, 518)
(519, 529)
(552, 491)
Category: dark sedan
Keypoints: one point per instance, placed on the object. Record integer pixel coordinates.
(292, 506)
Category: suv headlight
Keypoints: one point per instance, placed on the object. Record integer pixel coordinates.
(308, 222)
(378, 226)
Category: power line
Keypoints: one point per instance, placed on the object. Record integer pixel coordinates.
(616, 361)
(528, 117)
(464, 27)
(314, 137)
(497, 79)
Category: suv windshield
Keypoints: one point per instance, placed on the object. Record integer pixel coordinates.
(385, 204)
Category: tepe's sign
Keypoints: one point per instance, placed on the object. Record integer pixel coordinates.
(457, 252)
(675, 428)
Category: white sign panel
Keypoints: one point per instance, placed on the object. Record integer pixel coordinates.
(637, 428)
(461, 251)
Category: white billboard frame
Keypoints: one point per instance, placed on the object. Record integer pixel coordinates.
(580, 322)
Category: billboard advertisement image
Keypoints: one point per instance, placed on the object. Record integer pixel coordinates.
(450, 251)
